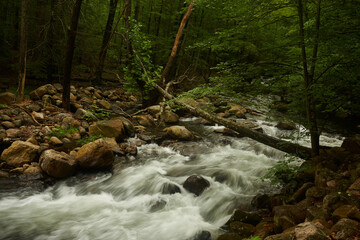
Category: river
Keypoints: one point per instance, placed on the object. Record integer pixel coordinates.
(132, 202)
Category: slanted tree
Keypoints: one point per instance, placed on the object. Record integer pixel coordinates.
(69, 53)
(106, 40)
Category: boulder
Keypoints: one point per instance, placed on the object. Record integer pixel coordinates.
(261, 201)
(169, 117)
(354, 189)
(300, 193)
(345, 229)
(179, 133)
(129, 127)
(7, 98)
(245, 217)
(196, 184)
(57, 164)
(264, 228)
(97, 154)
(13, 132)
(8, 124)
(105, 104)
(242, 229)
(55, 141)
(346, 211)
(204, 235)
(314, 212)
(286, 125)
(287, 216)
(145, 120)
(230, 236)
(282, 236)
(237, 111)
(153, 110)
(108, 128)
(170, 188)
(311, 231)
(80, 113)
(20, 153)
(315, 192)
(38, 93)
(352, 145)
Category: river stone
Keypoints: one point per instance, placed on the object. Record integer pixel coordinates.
(352, 145)
(196, 184)
(5, 117)
(354, 189)
(346, 229)
(170, 188)
(179, 133)
(7, 98)
(311, 231)
(13, 132)
(129, 126)
(245, 217)
(346, 211)
(20, 153)
(41, 91)
(242, 229)
(97, 154)
(261, 201)
(8, 124)
(4, 174)
(204, 235)
(153, 110)
(169, 117)
(108, 128)
(80, 113)
(286, 125)
(265, 228)
(57, 164)
(237, 110)
(55, 141)
(230, 236)
(145, 120)
(287, 216)
(105, 104)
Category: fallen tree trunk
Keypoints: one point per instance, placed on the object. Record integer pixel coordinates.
(285, 146)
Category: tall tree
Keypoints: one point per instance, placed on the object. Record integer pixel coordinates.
(23, 49)
(106, 40)
(70, 45)
(309, 75)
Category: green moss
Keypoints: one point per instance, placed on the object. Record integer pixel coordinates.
(60, 133)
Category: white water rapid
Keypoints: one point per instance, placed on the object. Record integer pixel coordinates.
(130, 204)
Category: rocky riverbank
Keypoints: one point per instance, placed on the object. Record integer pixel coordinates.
(321, 202)
(40, 143)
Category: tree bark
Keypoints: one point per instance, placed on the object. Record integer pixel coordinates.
(106, 39)
(308, 78)
(70, 47)
(285, 146)
(50, 57)
(175, 48)
(23, 49)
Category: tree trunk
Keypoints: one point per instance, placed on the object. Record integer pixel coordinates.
(285, 146)
(175, 48)
(308, 78)
(70, 42)
(106, 39)
(23, 49)
(50, 57)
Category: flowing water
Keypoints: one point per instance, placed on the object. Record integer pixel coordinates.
(132, 204)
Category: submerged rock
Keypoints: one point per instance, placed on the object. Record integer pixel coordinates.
(196, 184)
(97, 154)
(57, 164)
(20, 153)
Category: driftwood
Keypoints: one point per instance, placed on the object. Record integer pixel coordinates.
(285, 146)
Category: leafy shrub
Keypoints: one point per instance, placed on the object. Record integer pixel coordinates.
(60, 133)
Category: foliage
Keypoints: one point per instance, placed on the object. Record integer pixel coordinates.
(2, 106)
(60, 133)
(96, 114)
(140, 61)
(84, 141)
(283, 171)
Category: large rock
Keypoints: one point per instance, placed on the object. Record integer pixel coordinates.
(108, 128)
(196, 184)
(346, 211)
(242, 229)
(354, 189)
(20, 153)
(105, 104)
(311, 231)
(179, 133)
(287, 216)
(145, 120)
(7, 98)
(41, 91)
(345, 229)
(97, 154)
(80, 113)
(57, 164)
(237, 110)
(286, 125)
(169, 117)
(352, 145)
(245, 217)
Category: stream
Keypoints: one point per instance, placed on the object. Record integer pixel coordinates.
(133, 203)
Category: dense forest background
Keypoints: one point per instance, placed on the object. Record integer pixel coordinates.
(307, 52)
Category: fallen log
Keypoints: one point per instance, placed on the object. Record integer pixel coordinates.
(282, 145)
